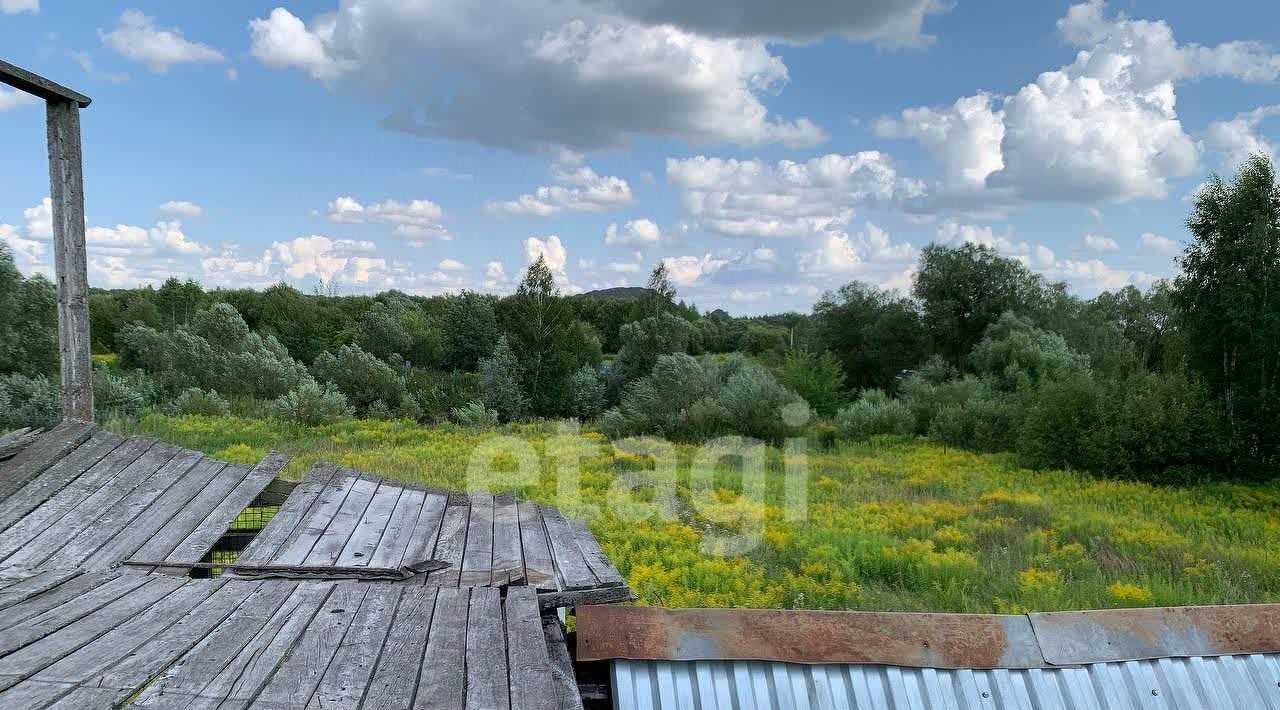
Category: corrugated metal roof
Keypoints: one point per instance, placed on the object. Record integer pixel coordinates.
(1241, 682)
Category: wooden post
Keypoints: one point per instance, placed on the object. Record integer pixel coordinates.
(66, 181)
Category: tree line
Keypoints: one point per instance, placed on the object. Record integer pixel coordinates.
(1174, 382)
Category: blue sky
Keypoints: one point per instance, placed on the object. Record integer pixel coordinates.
(766, 156)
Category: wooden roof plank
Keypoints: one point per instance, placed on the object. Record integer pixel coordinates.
(36, 85)
(17, 440)
(442, 682)
(425, 535)
(312, 527)
(167, 542)
(372, 528)
(40, 616)
(288, 519)
(160, 652)
(572, 567)
(601, 567)
(296, 679)
(344, 681)
(56, 477)
(343, 524)
(540, 567)
(35, 657)
(39, 582)
(134, 632)
(233, 647)
(529, 677)
(83, 515)
(395, 679)
(54, 509)
(477, 557)
(219, 517)
(124, 513)
(450, 545)
(507, 553)
(52, 447)
(399, 531)
(487, 685)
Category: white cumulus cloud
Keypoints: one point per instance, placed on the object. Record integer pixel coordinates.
(416, 220)
(181, 208)
(577, 189)
(636, 232)
(137, 37)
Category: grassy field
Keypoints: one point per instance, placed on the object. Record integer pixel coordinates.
(892, 525)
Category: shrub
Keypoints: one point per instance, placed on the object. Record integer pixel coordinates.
(312, 405)
(873, 414)
(1016, 354)
(366, 381)
(28, 401)
(125, 394)
(195, 401)
(686, 399)
(439, 393)
(643, 342)
(1064, 427)
(475, 415)
(927, 398)
(470, 330)
(216, 350)
(588, 392)
(818, 378)
(500, 382)
(984, 422)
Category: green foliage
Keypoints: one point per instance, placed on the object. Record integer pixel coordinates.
(194, 401)
(540, 329)
(588, 393)
(371, 386)
(216, 350)
(985, 421)
(474, 415)
(963, 290)
(439, 393)
(470, 330)
(875, 414)
(875, 334)
(687, 399)
(1227, 304)
(123, 394)
(643, 342)
(399, 328)
(761, 339)
(312, 404)
(28, 321)
(500, 382)
(1015, 354)
(818, 378)
(29, 401)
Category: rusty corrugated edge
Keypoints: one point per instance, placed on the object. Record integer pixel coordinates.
(952, 641)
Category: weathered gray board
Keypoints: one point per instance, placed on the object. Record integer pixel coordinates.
(339, 517)
(121, 638)
(78, 497)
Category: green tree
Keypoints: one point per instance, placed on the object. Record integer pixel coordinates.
(875, 334)
(500, 382)
(643, 342)
(962, 290)
(818, 378)
(660, 294)
(539, 329)
(28, 321)
(1228, 300)
(470, 330)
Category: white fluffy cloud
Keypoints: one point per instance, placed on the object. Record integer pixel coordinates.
(1156, 244)
(28, 251)
(839, 253)
(753, 198)
(577, 189)
(40, 219)
(451, 265)
(416, 220)
(311, 257)
(1100, 243)
(495, 276)
(1237, 138)
(553, 252)
(636, 232)
(136, 37)
(13, 7)
(688, 270)
(181, 208)
(12, 98)
(1101, 129)
(547, 73)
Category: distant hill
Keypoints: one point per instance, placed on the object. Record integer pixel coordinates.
(624, 293)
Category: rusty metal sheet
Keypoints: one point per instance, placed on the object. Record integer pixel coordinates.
(1076, 637)
(913, 640)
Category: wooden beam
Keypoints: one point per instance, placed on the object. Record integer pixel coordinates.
(66, 180)
(36, 85)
